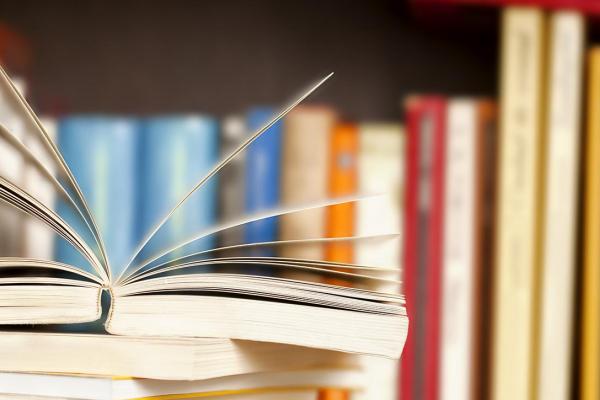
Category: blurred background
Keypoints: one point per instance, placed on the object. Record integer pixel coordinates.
(221, 57)
(471, 117)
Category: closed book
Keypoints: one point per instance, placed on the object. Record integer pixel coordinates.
(380, 170)
(231, 185)
(590, 275)
(102, 153)
(516, 278)
(263, 170)
(339, 219)
(176, 152)
(423, 244)
(38, 239)
(559, 236)
(304, 177)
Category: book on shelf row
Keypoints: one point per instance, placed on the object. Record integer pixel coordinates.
(501, 252)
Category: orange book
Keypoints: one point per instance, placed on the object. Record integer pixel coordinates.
(342, 181)
(333, 394)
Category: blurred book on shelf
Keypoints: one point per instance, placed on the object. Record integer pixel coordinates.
(262, 183)
(304, 176)
(589, 313)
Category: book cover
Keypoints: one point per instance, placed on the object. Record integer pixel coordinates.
(102, 154)
(559, 236)
(263, 170)
(520, 184)
(176, 152)
(423, 244)
(590, 276)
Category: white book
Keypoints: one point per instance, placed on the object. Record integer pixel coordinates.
(458, 269)
(562, 199)
(38, 239)
(380, 169)
(242, 386)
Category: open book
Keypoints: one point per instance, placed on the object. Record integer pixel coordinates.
(166, 296)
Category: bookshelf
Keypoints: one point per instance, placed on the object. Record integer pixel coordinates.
(220, 57)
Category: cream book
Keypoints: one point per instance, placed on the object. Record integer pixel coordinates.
(380, 168)
(305, 152)
(519, 205)
(558, 268)
(178, 298)
(155, 358)
(279, 384)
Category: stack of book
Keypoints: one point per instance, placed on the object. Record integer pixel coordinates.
(150, 248)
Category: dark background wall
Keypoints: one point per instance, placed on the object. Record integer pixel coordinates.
(222, 56)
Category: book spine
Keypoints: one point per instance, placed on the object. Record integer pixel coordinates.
(38, 239)
(590, 280)
(519, 205)
(102, 153)
(177, 151)
(458, 275)
(380, 170)
(423, 245)
(560, 214)
(263, 160)
(304, 177)
(339, 219)
(486, 150)
(231, 185)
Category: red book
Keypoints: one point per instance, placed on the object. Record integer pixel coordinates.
(424, 204)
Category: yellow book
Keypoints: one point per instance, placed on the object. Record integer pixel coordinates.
(519, 205)
(590, 339)
(562, 168)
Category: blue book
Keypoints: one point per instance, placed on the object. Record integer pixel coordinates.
(102, 154)
(177, 151)
(262, 179)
